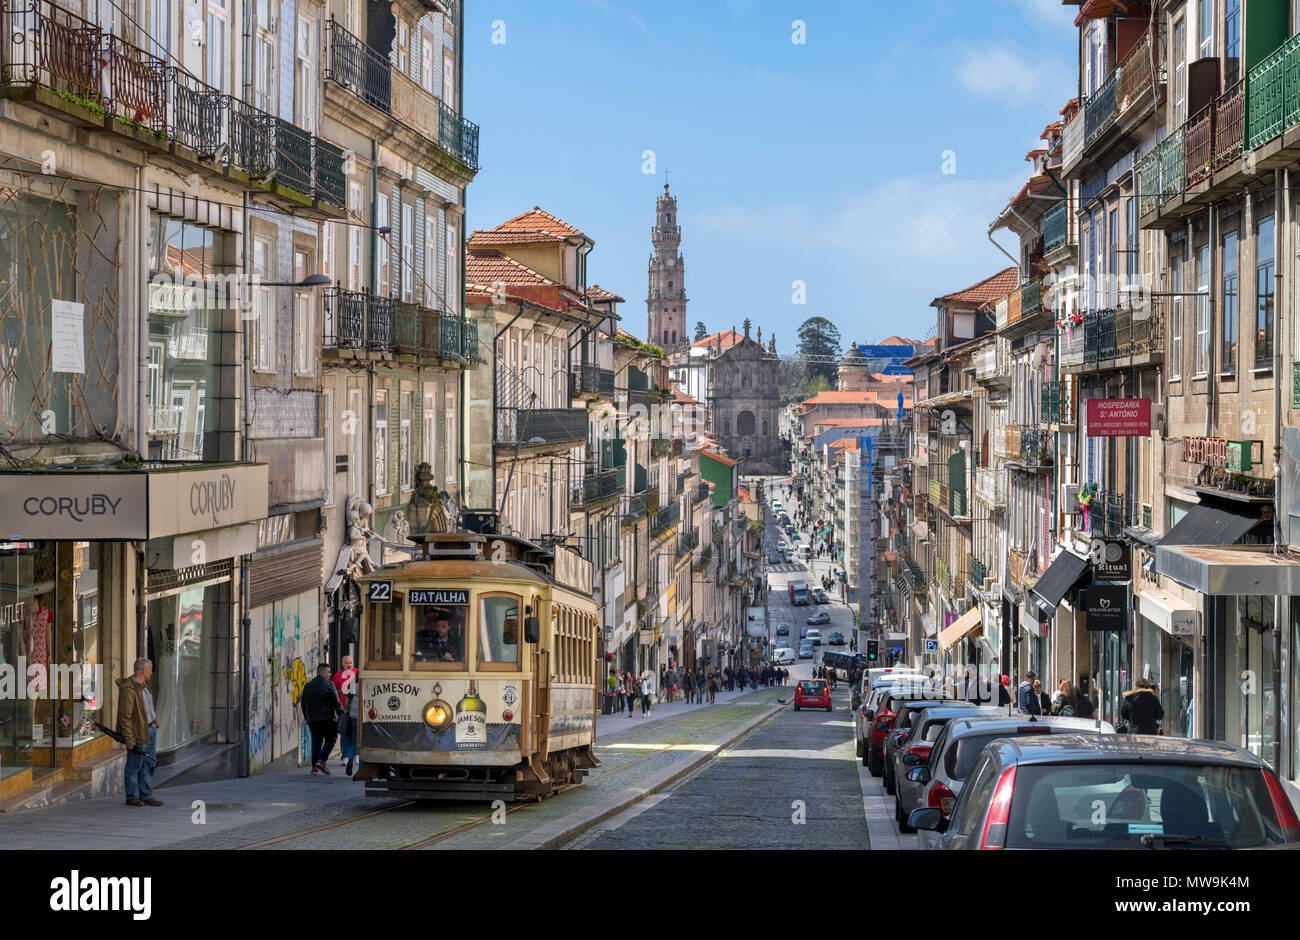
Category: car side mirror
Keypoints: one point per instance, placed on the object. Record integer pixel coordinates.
(532, 630)
(929, 818)
(911, 760)
(869, 714)
(918, 774)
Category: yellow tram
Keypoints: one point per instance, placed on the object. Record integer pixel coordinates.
(477, 671)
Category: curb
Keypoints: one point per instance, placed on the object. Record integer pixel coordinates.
(568, 828)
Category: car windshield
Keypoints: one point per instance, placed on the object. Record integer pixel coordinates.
(1116, 805)
(813, 688)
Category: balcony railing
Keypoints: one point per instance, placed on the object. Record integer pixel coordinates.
(665, 518)
(1056, 226)
(701, 492)
(1108, 515)
(597, 487)
(1051, 413)
(50, 47)
(1200, 145)
(368, 74)
(1229, 124)
(1031, 298)
(1173, 164)
(588, 379)
(977, 573)
(688, 541)
(1072, 137)
(136, 85)
(1136, 75)
(634, 507)
(1099, 112)
(198, 114)
(357, 320)
(537, 426)
(165, 420)
(991, 486)
(1035, 447)
(1273, 94)
(1149, 182)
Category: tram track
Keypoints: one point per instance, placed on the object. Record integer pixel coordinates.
(443, 836)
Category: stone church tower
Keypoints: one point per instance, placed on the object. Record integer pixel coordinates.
(666, 301)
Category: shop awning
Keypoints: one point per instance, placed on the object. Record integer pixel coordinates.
(1231, 569)
(825, 533)
(1169, 613)
(1061, 575)
(964, 625)
(1211, 525)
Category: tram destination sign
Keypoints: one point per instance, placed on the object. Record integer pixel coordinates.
(432, 596)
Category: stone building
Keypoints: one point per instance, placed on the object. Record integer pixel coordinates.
(666, 298)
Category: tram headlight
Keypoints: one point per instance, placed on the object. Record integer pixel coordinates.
(437, 714)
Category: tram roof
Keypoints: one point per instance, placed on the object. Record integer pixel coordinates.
(460, 568)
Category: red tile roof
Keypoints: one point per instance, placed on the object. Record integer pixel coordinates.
(725, 461)
(531, 227)
(843, 444)
(898, 341)
(597, 294)
(725, 339)
(981, 292)
(484, 267)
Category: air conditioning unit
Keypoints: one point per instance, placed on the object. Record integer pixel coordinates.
(1070, 499)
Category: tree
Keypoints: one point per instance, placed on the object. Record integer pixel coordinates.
(819, 347)
(700, 331)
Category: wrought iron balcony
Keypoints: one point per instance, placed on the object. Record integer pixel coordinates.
(1035, 447)
(1108, 515)
(688, 541)
(1273, 94)
(1136, 74)
(47, 46)
(357, 320)
(1051, 394)
(451, 337)
(665, 519)
(1099, 112)
(635, 507)
(977, 574)
(541, 426)
(198, 114)
(369, 75)
(1229, 124)
(701, 491)
(135, 85)
(1200, 144)
(590, 379)
(597, 487)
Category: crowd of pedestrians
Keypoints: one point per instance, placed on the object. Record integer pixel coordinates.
(675, 683)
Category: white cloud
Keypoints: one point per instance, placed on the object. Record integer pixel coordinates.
(1006, 72)
(1051, 12)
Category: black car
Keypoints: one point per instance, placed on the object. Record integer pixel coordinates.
(1124, 791)
(783, 630)
(836, 639)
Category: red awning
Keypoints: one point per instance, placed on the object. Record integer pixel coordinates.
(1100, 9)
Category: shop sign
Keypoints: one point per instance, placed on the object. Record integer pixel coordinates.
(209, 498)
(74, 505)
(1221, 454)
(1105, 607)
(1111, 560)
(1119, 417)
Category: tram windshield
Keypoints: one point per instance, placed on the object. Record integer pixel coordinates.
(439, 635)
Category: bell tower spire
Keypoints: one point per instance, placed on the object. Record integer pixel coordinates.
(666, 300)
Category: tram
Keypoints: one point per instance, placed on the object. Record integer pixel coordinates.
(477, 671)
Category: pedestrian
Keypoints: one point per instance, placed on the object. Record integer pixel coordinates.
(663, 684)
(701, 685)
(689, 685)
(1026, 699)
(1141, 711)
(1044, 700)
(1083, 707)
(713, 686)
(670, 678)
(1063, 699)
(611, 688)
(647, 692)
(633, 692)
(620, 694)
(1004, 691)
(320, 709)
(345, 684)
(730, 677)
(137, 723)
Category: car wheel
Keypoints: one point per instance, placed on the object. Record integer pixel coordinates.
(857, 746)
(866, 755)
(796, 708)
(902, 819)
(889, 783)
(877, 766)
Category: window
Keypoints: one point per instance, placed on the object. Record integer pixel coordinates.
(351, 428)
(381, 442)
(1176, 315)
(452, 269)
(440, 635)
(429, 417)
(217, 55)
(304, 319)
(264, 57)
(449, 80)
(404, 416)
(1112, 270)
(384, 634)
(408, 250)
(354, 239)
(329, 446)
(160, 28)
(263, 322)
(403, 44)
(450, 449)
(381, 203)
(1201, 354)
(1131, 243)
(499, 629)
(327, 249)
(1229, 353)
(1179, 56)
(1264, 293)
(426, 64)
(304, 76)
(1231, 42)
(430, 261)
(1205, 27)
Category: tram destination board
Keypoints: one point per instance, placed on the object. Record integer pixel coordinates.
(425, 596)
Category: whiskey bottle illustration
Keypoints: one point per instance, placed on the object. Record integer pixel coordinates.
(471, 719)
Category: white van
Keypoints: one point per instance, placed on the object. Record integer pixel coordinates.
(813, 636)
(783, 656)
(805, 553)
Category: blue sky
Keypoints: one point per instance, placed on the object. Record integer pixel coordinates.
(819, 162)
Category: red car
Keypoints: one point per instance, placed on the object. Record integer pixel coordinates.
(812, 693)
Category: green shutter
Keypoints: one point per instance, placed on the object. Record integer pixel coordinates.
(957, 484)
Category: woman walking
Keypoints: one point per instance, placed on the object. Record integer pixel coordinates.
(647, 692)
(633, 692)
(619, 693)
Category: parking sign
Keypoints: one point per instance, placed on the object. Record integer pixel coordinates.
(932, 646)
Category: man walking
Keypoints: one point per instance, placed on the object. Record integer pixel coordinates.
(670, 680)
(320, 709)
(1026, 698)
(689, 685)
(137, 723)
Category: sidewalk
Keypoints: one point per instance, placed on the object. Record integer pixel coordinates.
(609, 727)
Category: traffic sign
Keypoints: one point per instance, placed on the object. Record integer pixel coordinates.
(932, 646)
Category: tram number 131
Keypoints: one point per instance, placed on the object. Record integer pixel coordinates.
(381, 592)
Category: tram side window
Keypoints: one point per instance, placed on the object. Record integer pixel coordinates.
(499, 629)
(439, 637)
(384, 643)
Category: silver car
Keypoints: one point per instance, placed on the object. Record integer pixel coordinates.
(961, 743)
(927, 726)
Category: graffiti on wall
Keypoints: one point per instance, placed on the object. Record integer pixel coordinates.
(259, 702)
(284, 640)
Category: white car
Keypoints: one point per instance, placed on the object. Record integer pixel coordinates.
(783, 656)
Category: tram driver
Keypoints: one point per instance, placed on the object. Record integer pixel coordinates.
(436, 641)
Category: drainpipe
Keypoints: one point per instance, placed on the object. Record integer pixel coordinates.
(142, 402)
(1282, 185)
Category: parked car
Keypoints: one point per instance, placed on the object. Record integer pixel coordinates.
(869, 697)
(819, 596)
(820, 617)
(906, 702)
(774, 557)
(782, 630)
(812, 693)
(959, 745)
(926, 727)
(837, 638)
(1126, 792)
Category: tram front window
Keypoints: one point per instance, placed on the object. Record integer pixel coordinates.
(439, 636)
(498, 635)
(384, 643)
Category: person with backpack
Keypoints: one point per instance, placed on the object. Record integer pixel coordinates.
(647, 692)
(670, 681)
(1026, 698)
(1142, 709)
(1063, 700)
(620, 691)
